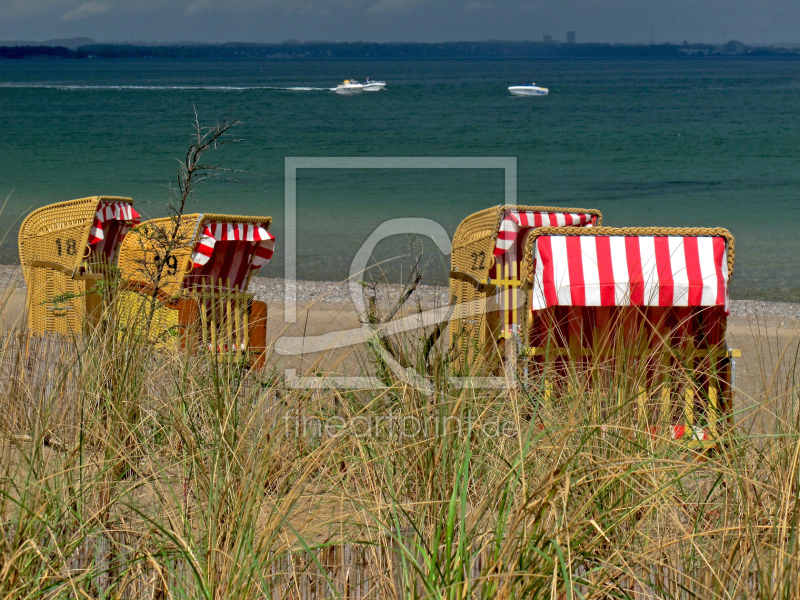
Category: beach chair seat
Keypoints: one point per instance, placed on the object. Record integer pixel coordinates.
(65, 249)
(485, 278)
(196, 294)
(648, 305)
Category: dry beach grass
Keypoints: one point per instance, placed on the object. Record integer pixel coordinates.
(132, 471)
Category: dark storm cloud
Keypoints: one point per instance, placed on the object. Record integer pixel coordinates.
(752, 21)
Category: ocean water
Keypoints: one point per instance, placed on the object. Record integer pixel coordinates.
(648, 142)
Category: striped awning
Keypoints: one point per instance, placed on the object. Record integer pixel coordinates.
(516, 221)
(111, 224)
(112, 211)
(255, 233)
(629, 270)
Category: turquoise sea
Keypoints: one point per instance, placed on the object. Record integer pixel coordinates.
(649, 142)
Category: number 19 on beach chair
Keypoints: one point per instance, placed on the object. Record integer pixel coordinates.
(197, 292)
(485, 277)
(65, 249)
(647, 306)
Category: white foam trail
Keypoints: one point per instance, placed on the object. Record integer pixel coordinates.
(219, 88)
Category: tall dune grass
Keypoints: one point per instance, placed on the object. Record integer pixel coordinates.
(133, 471)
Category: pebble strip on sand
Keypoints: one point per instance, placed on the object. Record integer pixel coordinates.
(11, 276)
(273, 290)
(751, 308)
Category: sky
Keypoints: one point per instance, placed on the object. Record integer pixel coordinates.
(214, 21)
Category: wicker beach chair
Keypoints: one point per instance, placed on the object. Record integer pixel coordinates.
(64, 249)
(487, 252)
(197, 294)
(647, 304)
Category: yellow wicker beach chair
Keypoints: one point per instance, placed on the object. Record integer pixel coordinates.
(197, 293)
(65, 248)
(484, 281)
(647, 304)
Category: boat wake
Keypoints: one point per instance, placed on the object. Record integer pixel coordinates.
(210, 88)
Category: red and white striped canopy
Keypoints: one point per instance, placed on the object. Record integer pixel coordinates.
(256, 233)
(111, 211)
(254, 249)
(112, 221)
(516, 221)
(599, 270)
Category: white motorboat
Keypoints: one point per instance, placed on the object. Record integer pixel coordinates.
(350, 86)
(373, 86)
(528, 90)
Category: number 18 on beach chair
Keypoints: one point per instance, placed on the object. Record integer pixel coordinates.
(197, 292)
(485, 276)
(645, 305)
(65, 249)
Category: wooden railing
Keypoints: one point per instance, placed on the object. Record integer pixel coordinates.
(223, 321)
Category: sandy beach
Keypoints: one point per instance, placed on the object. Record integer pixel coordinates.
(767, 333)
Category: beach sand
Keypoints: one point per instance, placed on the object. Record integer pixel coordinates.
(767, 333)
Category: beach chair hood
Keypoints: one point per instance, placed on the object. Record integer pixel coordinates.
(519, 221)
(629, 267)
(113, 220)
(77, 231)
(231, 250)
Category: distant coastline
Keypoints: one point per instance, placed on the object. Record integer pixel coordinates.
(365, 50)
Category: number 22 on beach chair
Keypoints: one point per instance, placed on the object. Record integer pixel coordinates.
(65, 250)
(194, 274)
(485, 277)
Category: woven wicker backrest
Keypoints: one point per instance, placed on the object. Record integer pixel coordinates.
(143, 250)
(53, 245)
(472, 254)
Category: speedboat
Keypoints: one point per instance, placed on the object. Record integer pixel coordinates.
(373, 86)
(528, 90)
(350, 86)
